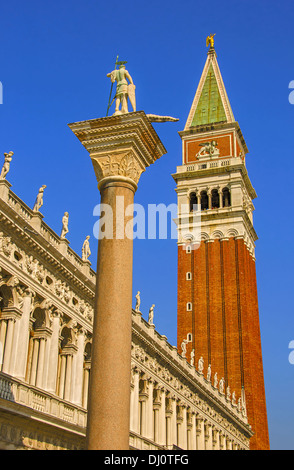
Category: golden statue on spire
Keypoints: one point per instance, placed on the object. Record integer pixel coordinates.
(210, 41)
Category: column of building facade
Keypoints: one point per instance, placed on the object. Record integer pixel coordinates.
(222, 441)
(70, 351)
(200, 439)
(134, 400)
(162, 416)
(191, 431)
(78, 366)
(159, 415)
(215, 438)
(87, 369)
(24, 335)
(53, 351)
(34, 349)
(150, 409)
(43, 336)
(182, 425)
(10, 315)
(143, 400)
(208, 435)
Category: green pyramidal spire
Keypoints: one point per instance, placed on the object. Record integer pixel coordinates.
(210, 104)
(210, 108)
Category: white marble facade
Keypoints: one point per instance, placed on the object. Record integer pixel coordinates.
(46, 314)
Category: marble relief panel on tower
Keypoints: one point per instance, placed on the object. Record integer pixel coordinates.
(212, 146)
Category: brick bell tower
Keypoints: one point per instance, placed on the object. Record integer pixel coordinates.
(218, 316)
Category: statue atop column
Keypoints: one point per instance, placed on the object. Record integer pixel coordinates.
(6, 166)
(64, 230)
(39, 199)
(86, 252)
(124, 90)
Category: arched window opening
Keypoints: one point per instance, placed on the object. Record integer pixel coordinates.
(189, 306)
(193, 201)
(204, 200)
(215, 199)
(226, 197)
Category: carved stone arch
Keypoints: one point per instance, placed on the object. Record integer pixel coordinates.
(204, 236)
(46, 307)
(232, 232)
(88, 350)
(8, 296)
(39, 317)
(67, 336)
(217, 234)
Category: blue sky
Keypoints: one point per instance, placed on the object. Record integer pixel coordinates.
(54, 57)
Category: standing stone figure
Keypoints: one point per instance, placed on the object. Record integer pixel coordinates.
(6, 166)
(184, 348)
(200, 365)
(39, 199)
(192, 357)
(123, 90)
(234, 398)
(221, 385)
(64, 225)
(209, 373)
(86, 252)
(228, 393)
(215, 381)
(138, 302)
(151, 315)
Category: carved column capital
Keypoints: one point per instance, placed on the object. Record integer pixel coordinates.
(120, 147)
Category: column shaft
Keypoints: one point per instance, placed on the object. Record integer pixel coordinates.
(108, 416)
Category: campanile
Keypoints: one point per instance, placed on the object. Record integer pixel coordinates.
(218, 316)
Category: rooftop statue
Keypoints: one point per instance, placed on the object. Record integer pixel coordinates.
(6, 166)
(64, 225)
(210, 41)
(86, 252)
(39, 199)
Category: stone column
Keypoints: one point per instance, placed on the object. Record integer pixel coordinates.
(121, 147)
(40, 366)
(33, 372)
(208, 436)
(150, 411)
(79, 369)
(24, 336)
(87, 369)
(193, 432)
(143, 398)
(135, 402)
(200, 433)
(162, 419)
(11, 315)
(53, 357)
(174, 431)
(62, 375)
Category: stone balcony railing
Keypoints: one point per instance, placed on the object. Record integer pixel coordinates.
(51, 406)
